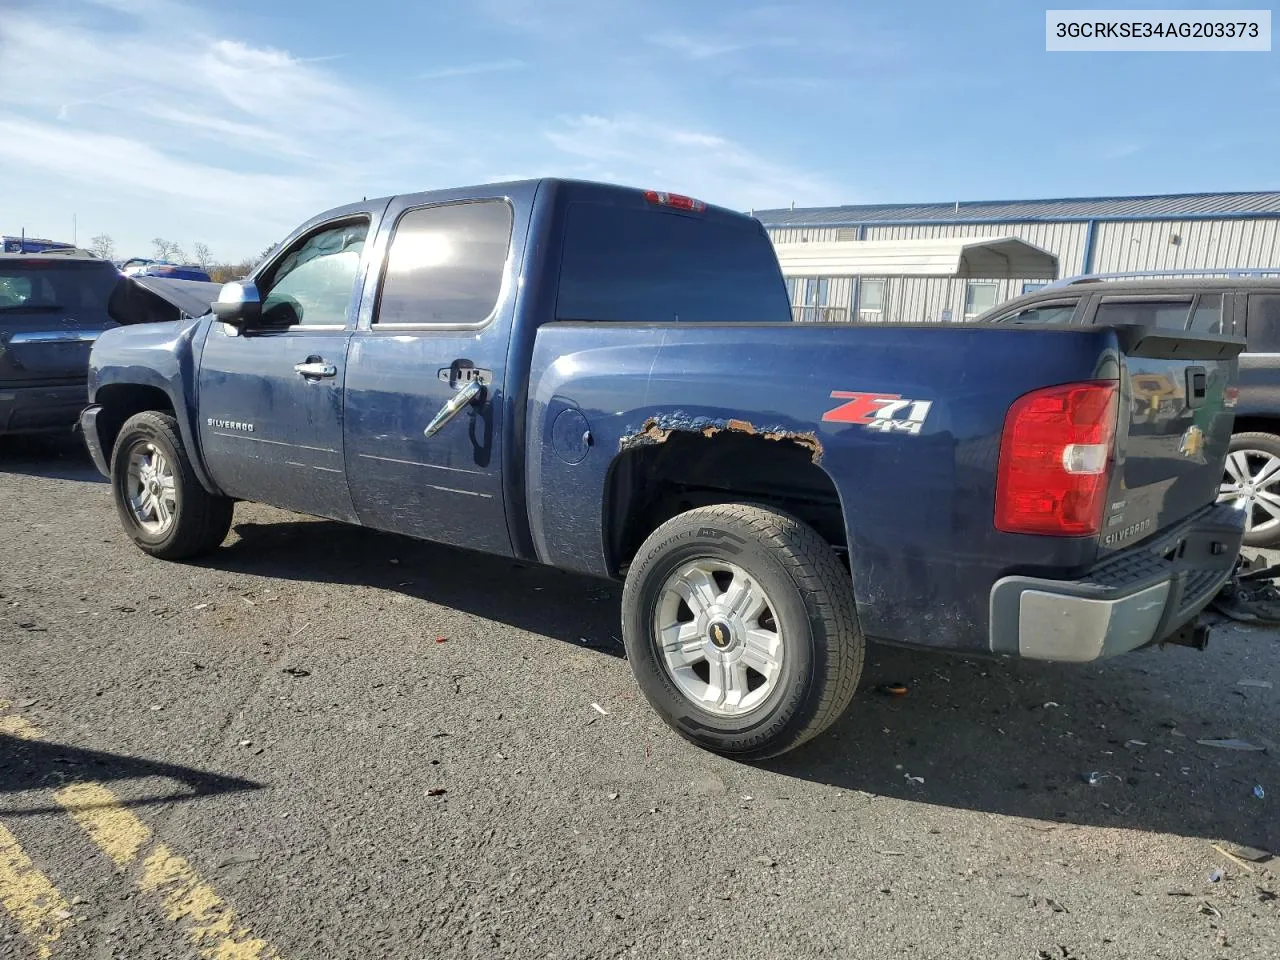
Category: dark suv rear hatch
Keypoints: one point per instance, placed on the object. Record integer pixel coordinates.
(1176, 414)
(51, 311)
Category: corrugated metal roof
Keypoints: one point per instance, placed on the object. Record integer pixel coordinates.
(1167, 207)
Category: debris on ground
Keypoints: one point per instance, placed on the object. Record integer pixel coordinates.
(765, 861)
(1050, 703)
(436, 792)
(1209, 910)
(1216, 875)
(296, 672)
(1231, 743)
(892, 689)
(914, 779)
(1251, 595)
(1260, 684)
(599, 709)
(1232, 857)
(1259, 792)
(1252, 854)
(1095, 777)
(442, 639)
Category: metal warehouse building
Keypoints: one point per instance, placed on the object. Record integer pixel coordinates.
(1148, 235)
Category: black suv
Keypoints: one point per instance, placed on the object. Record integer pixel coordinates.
(1246, 308)
(52, 308)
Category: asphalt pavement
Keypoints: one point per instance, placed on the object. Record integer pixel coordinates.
(324, 742)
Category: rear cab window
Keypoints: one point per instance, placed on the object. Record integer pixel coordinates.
(630, 265)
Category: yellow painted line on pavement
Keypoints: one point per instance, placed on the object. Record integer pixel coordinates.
(35, 904)
(193, 905)
(189, 902)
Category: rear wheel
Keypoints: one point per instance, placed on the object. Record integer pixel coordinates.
(1252, 484)
(160, 501)
(739, 625)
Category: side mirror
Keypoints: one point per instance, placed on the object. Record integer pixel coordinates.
(238, 304)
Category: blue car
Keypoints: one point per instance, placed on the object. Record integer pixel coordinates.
(142, 267)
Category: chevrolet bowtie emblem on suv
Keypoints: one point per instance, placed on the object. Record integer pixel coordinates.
(1192, 442)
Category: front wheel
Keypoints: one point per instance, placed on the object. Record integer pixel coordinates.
(1252, 484)
(160, 501)
(739, 625)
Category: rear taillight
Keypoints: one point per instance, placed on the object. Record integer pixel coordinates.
(1055, 460)
(675, 201)
(1230, 397)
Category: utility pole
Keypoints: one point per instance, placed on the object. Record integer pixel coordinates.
(73, 229)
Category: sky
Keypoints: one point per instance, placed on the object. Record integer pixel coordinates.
(229, 122)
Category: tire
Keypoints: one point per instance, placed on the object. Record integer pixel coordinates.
(197, 522)
(1256, 449)
(808, 603)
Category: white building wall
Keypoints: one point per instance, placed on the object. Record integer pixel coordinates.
(1186, 245)
(1145, 245)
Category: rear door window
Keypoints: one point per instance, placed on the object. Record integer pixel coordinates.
(1263, 323)
(1171, 314)
(76, 288)
(632, 265)
(446, 264)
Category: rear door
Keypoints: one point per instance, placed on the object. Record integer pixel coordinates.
(51, 311)
(440, 322)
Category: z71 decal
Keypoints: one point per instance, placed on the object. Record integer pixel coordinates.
(886, 412)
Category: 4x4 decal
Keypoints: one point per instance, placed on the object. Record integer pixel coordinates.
(879, 411)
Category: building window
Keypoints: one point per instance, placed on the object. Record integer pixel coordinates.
(871, 295)
(1033, 287)
(811, 301)
(979, 297)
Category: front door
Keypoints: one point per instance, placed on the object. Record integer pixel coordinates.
(271, 398)
(441, 321)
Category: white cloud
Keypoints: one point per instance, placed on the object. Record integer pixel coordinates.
(713, 168)
(203, 137)
(151, 117)
(471, 69)
(692, 47)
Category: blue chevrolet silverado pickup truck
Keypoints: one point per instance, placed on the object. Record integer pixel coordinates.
(608, 380)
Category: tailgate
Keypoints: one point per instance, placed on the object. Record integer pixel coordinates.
(1175, 425)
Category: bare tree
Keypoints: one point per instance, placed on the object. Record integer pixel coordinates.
(161, 248)
(103, 246)
(202, 255)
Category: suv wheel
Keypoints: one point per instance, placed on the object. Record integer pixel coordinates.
(1252, 483)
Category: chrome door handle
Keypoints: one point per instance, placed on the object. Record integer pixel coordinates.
(315, 369)
(453, 407)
